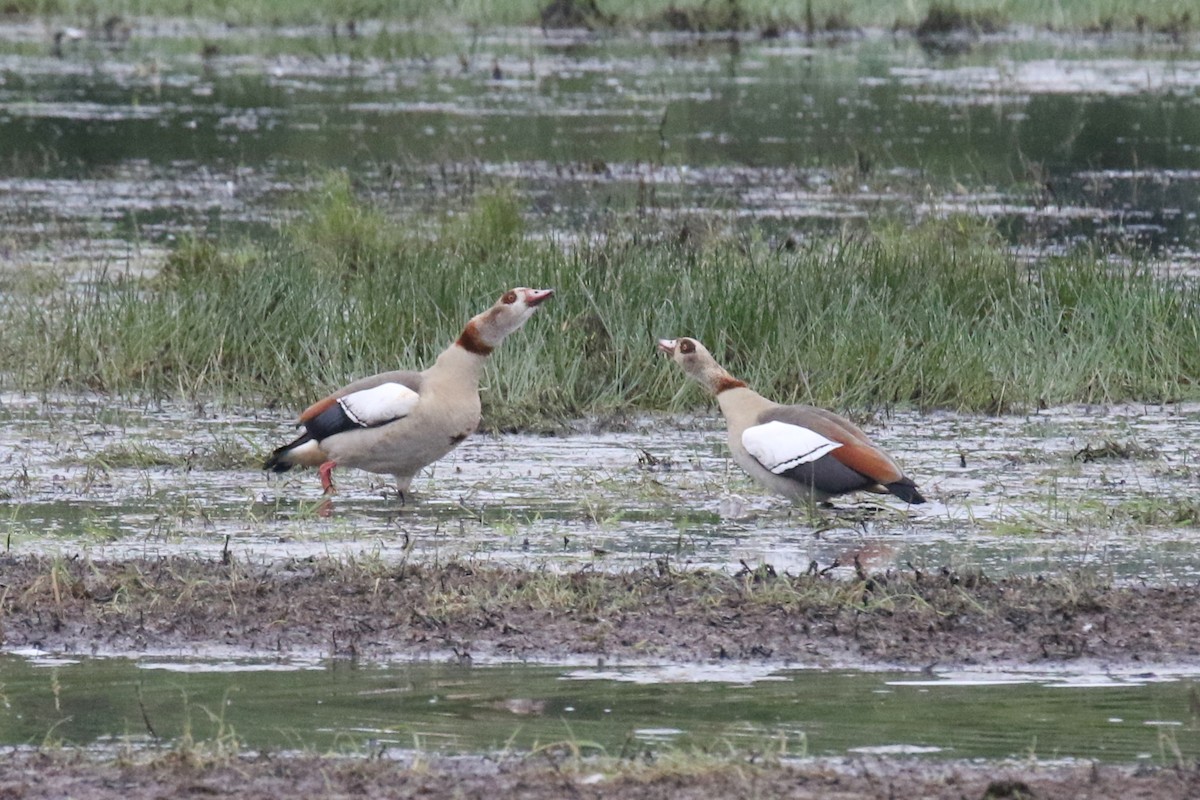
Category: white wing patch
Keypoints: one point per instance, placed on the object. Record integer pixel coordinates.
(779, 446)
(379, 404)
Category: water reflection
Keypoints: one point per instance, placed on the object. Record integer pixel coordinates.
(433, 707)
(1034, 132)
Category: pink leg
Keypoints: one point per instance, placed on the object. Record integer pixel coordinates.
(326, 473)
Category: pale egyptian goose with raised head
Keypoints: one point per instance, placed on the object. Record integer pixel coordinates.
(396, 423)
(801, 452)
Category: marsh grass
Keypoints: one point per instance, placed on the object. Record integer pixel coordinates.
(1158, 511)
(221, 455)
(1171, 16)
(938, 315)
(132, 456)
(601, 598)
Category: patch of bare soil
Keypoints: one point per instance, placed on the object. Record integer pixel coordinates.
(76, 775)
(371, 609)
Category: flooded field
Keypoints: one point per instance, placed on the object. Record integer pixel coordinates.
(1110, 488)
(115, 150)
(439, 708)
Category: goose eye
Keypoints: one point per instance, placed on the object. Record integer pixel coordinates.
(687, 346)
(509, 298)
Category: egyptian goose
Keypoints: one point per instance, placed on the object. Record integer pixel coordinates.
(801, 452)
(395, 423)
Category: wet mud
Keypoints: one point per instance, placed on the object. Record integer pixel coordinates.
(56, 774)
(463, 610)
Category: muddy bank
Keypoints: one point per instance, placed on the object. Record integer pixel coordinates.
(375, 609)
(63, 774)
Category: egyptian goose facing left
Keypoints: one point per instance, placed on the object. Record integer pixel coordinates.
(801, 452)
(396, 423)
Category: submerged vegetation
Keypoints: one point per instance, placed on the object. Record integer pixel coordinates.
(936, 315)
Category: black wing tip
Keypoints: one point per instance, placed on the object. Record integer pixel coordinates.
(277, 461)
(276, 465)
(906, 490)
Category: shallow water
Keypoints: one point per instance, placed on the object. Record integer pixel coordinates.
(111, 155)
(1008, 495)
(321, 706)
(1058, 138)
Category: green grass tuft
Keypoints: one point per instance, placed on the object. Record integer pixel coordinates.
(936, 315)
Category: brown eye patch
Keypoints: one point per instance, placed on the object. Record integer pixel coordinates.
(509, 298)
(687, 346)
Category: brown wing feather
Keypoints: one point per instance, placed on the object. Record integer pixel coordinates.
(317, 407)
(869, 461)
(858, 452)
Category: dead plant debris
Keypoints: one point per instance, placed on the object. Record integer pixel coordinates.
(372, 609)
(57, 774)
(1117, 451)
